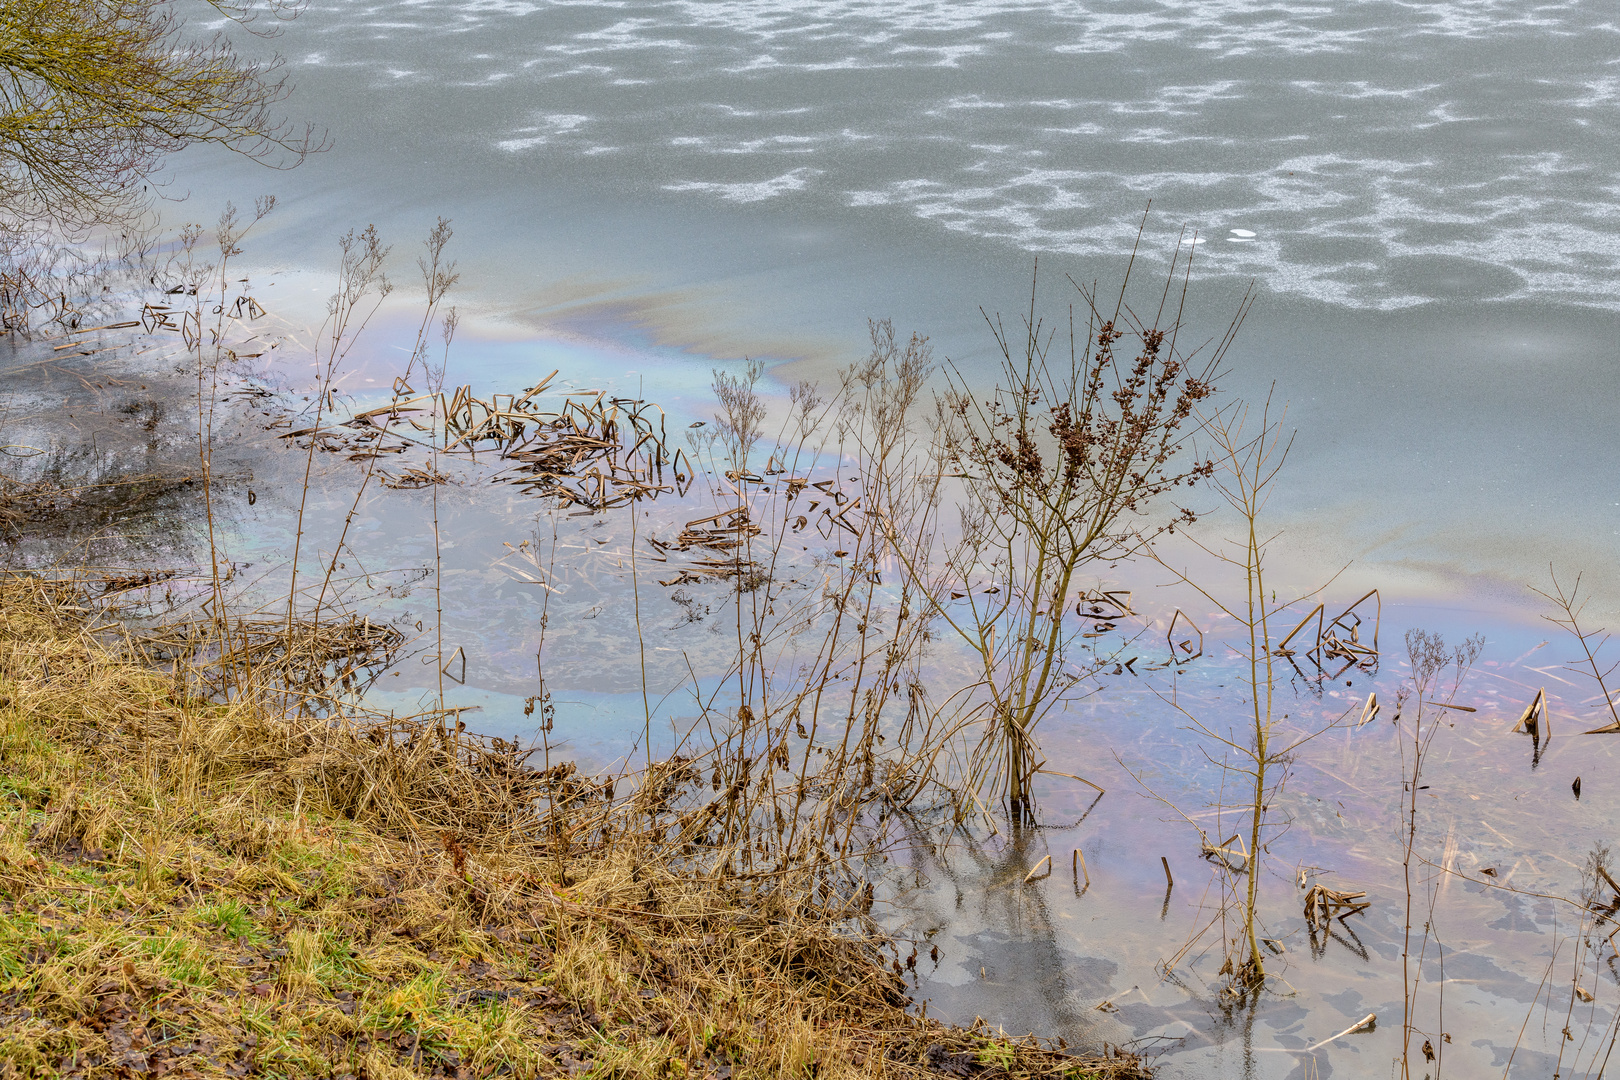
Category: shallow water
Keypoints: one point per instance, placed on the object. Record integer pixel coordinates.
(1423, 195)
(1043, 955)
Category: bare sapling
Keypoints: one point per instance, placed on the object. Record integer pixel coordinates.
(228, 235)
(438, 275)
(1245, 469)
(1063, 466)
(1247, 457)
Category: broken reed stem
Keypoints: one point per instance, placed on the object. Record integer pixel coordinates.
(436, 383)
(1408, 992)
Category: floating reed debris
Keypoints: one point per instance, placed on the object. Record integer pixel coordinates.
(1607, 729)
(727, 533)
(1341, 638)
(410, 479)
(1187, 650)
(1323, 905)
(594, 451)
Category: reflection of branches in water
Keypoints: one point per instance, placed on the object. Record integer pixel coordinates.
(997, 873)
(1077, 822)
(1151, 1047)
(322, 664)
(1319, 944)
(70, 493)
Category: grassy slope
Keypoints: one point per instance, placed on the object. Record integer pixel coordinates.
(193, 890)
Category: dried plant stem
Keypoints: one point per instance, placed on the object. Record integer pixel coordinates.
(436, 382)
(1429, 657)
(438, 276)
(359, 273)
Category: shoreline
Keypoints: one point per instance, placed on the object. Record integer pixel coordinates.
(195, 889)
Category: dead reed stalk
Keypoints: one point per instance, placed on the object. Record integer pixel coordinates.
(1429, 657)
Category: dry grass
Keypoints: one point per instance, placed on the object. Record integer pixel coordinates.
(191, 888)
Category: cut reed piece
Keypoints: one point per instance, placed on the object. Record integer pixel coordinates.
(1282, 648)
(1369, 711)
(1104, 607)
(1169, 879)
(1080, 867)
(1046, 861)
(1366, 1023)
(1535, 720)
(1235, 861)
(1322, 905)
